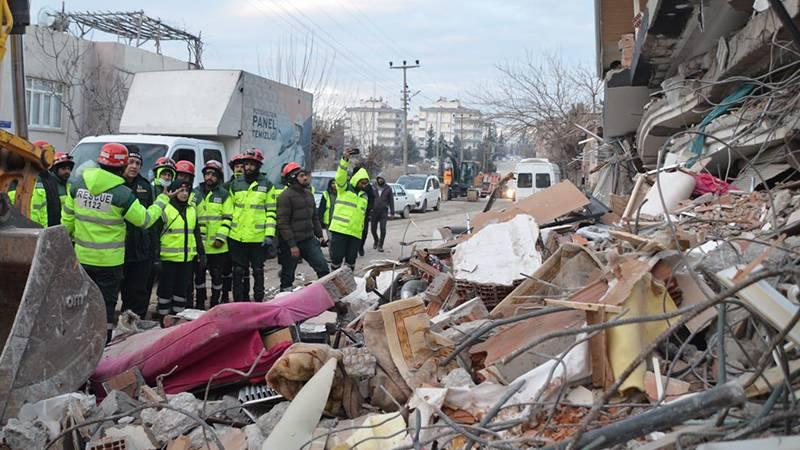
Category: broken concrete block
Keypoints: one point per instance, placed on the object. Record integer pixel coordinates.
(25, 435)
(358, 362)
(138, 438)
(254, 436)
(51, 411)
(117, 402)
(150, 395)
(267, 422)
(129, 381)
(339, 283)
(458, 378)
(466, 312)
(198, 437)
(180, 443)
(167, 424)
(229, 407)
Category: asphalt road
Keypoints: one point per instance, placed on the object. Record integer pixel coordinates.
(419, 227)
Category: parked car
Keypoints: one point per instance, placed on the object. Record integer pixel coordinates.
(319, 181)
(402, 201)
(424, 191)
(533, 175)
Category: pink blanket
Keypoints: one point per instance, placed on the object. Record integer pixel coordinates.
(227, 336)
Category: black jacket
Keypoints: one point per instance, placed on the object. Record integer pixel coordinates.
(297, 215)
(384, 200)
(141, 244)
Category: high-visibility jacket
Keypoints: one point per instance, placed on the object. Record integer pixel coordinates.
(326, 214)
(62, 191)
(178, 243)
(214, 213)
(38, 206)
(253, 210)
(351, 205)
(98, 204)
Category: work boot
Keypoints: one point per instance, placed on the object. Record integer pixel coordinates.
(374, 246)
(361, 251)
(200, 300)
(380, 248)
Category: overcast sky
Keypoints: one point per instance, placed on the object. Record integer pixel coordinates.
(458, 43)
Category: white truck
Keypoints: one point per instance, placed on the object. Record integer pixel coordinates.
(197, 115)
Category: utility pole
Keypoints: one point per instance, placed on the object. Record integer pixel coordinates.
(405, 67)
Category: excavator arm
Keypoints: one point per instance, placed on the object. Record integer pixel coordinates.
(20, 161)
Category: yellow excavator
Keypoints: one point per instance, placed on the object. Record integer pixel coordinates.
(52, 317)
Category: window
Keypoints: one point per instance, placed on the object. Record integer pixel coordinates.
(184, 154)
(542, 180)
(43, 102)
(212, 154)
(524, 180)
(435, 183)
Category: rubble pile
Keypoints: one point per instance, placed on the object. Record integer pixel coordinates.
(635, 331)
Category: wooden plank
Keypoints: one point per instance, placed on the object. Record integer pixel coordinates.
(585, 306)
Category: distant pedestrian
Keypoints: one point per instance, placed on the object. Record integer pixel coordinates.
(325, 209)
(382, 209)
(347, 221)
(141, 244)
(299, 229)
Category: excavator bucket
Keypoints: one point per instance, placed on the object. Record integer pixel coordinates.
(52, 317)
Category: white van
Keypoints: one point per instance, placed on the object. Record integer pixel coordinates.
(534, 174)
(152, 147)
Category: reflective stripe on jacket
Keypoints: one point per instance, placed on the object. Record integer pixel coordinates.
(326, 214)
(214, 213)
(37, 211)
(178, 243)
(97, 207)
(253, 210)
(350, 207)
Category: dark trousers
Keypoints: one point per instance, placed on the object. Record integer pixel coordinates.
(199, 272)
(244, 256)
(309, 251)
(135, 287)
(174, 280)
(107, 280)
(379, 218)
(218, 264)
(344, 247)
(365, 231)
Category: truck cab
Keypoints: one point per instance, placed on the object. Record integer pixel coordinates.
(152, 147)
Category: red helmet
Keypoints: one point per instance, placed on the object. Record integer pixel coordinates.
(184, 167)
(164, 162)
(253, 154)
(289, 168)
(40, 143)
(236, 159)
(113, 155)
(62, 159)
(213, 165)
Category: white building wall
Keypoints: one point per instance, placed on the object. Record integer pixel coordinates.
(450, 119)
(94, 79)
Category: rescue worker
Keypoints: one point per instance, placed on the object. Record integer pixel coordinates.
(214, 212)
(45, 205)
(370, 194)
(180, 244)
(62, 169)
(299, 228)
(97, 207)
(347, 221)
(237, 169)
(382, 209)
(253, 226)
(140, 244)
(163, 174)
(325, 209)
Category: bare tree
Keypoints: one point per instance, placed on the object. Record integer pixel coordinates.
(541, 99)
(300, 63)
(70, 65)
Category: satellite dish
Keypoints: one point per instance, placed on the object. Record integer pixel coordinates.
(46, 17)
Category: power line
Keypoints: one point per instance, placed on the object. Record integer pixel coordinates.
(356, 69)
(354, 58)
